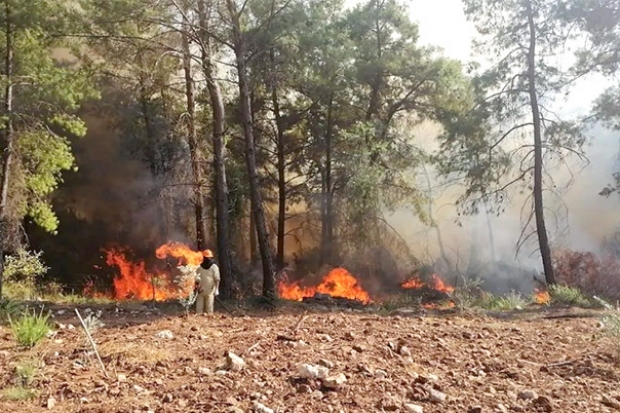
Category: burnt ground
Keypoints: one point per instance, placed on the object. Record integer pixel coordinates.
(529, 363)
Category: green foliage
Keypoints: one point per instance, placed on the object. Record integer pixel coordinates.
(21, 271)
(46, 96)
(565, 295)
(24, 265)
(29, 329)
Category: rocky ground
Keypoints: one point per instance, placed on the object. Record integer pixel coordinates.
(328, 361)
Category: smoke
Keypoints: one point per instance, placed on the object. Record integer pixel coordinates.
(485, 245)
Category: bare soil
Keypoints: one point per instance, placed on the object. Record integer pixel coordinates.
(479, 363)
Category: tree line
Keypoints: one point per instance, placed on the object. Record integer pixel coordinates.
(297, 102)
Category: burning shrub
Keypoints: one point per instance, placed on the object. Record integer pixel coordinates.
(587, 272)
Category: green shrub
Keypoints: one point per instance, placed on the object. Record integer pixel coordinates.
(28, 329)
(20, 274)
(562, 294)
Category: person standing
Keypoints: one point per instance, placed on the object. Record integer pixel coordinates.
(207, 283)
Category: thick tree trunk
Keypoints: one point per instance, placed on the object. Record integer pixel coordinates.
(281, 166)
(201, 239)
(269, 285)
(8, 152)
(219, 160)
(541, 229)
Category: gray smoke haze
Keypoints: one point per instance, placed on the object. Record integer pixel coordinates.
(486, 245)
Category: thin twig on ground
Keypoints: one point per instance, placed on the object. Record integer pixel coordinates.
(301, 320)
(92, 343)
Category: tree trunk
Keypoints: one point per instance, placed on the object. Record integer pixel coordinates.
(281, 165)
(327, 243)
(541, 229)
(219, 160)
(254, 256)
(201, 240)
(269, 284)
(8, 153)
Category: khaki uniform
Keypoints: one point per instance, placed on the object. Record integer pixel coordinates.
(209, 283)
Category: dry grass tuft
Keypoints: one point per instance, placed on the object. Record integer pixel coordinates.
(133, 353)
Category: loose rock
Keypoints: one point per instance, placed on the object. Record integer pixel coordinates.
(437, 397)
(234, 362)
(414, 408)
(309, 371)
(51, 403)
(334, 382)
(260, 408)
(165, 334)
(527, 395)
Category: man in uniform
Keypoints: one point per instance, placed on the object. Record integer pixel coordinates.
(207, 283)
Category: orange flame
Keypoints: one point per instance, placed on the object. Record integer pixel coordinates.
(437, 284)
(337, 283)
(135, 281)
(542, 297)
(182, 252)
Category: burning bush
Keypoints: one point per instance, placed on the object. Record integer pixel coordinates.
(590, 273)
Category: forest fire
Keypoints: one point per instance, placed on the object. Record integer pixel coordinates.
(135, 281)
(337, 283)
(437, 284)
(542, 297)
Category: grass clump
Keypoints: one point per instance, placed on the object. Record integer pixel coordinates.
(563, 294)
(30, 328)
(25, 373)
(18, 393)
(510, 301)
(610, 322)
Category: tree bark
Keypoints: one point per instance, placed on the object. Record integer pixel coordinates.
(201, 239)
(269, 284)
(254, 256)
(327, 242)
(541, 229)
(281, 164)
(8, 153)
(219, 159)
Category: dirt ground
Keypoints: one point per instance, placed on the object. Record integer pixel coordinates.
(402, 362)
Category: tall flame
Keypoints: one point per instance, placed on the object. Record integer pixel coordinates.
(135, 281)
(337, 283)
